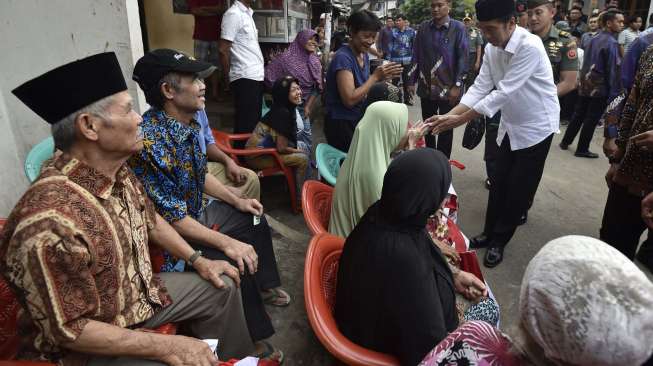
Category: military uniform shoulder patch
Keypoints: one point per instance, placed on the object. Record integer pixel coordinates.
(564, 34)
(571, 54)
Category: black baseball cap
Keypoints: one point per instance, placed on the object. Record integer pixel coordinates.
(155, 64)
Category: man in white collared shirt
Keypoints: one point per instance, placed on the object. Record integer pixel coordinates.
(242, 63)
(516, 78)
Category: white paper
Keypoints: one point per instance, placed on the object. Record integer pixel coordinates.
(213, 344)
(247, 361)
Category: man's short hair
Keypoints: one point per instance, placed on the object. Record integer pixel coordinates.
(609, 15)
(400, 16)
(363, 20)
(577, 8)
(632, 19)
(154, 97)
(63, 131)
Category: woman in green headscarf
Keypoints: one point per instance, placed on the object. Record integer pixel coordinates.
(382, 130)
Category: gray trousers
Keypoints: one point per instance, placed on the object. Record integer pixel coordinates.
(207, 311)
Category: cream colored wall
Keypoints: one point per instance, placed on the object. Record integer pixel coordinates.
(166, 29)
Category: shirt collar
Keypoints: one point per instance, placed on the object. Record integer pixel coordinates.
(515, 40)
(244, 8)
(178, 131)
(445, 25)
(553, 32)
(88, 177)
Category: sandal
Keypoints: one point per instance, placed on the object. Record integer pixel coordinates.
(276, 297)
(270, 353)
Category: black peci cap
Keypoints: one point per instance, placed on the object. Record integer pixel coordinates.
(73, 86)
(494, 9)
(155, 64)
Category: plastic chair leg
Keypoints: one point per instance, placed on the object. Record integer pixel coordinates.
(290, 178)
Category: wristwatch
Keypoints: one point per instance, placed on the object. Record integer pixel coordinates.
(459, 84)
(194, 257)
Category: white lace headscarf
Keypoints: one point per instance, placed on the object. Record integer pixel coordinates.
(584, 303)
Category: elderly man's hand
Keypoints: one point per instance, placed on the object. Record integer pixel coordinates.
(442, 123)
(250, 205)
(609, 147)
(235, 173)
(179, 350)
(647, 210)
(211, 270)
(469, 286)
(243, 254)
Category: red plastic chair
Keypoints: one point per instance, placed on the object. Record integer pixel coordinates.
(224, 141)
(9, 306)
(316, 204)
(320, 274)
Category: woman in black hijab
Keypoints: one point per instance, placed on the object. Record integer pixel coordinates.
(395, 291)
(278, 129)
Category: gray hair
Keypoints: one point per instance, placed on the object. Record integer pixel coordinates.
(154, 96)
(63, 132)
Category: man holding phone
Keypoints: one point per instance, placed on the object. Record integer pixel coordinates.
(439, 67)
(515, 78)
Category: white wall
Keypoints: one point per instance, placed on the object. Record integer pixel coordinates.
(38, 35)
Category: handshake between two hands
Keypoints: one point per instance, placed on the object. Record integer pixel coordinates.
(435, 124)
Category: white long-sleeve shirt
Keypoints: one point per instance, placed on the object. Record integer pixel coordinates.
(525, 92)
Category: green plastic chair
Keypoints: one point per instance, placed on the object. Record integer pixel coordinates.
(329, 160)
(39, 153)
(264, 108)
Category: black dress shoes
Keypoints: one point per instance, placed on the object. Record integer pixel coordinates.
(563, 146)
(586, 154)
(493, 256)
(479, 241)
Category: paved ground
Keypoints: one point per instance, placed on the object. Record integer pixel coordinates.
(570, 200)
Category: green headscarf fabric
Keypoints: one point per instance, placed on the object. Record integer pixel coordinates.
(360, 179)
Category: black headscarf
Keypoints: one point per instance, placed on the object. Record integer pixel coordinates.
(414, 187)
(282, 117)
(395, 292)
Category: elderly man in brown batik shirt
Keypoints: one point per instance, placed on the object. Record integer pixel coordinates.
(75, 247)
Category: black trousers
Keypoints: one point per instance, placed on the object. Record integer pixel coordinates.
(516, 179)
(240, 226)
(568, 104)
(445, 139)
(339, 132)
(622, 224)
(248, 98)
(587, 113)
(491, 148)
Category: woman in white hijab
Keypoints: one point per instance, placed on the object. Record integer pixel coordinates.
(582, 303)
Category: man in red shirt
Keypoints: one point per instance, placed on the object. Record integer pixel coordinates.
(208, 19)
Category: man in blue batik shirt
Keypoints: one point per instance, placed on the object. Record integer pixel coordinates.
(400, 49)
(173, 170)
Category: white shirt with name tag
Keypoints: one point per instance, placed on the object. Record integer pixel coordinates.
(525, 91)
(246, 59)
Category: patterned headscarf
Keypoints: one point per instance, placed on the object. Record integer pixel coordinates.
(297, 62)
(584, 303)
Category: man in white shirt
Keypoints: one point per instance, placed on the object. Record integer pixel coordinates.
(242, 62)
(517, 65)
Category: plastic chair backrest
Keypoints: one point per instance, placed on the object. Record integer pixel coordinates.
(316, 204)
(264, 108)
(320, 279)
(39, 153)
(329, 160)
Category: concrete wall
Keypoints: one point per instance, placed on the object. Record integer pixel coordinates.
(166, 29)
(38, 35)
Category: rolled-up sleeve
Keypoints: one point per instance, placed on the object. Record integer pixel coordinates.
(522, 64)
(62, 294)
(230, 26)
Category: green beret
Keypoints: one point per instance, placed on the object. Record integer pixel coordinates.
(532, 4)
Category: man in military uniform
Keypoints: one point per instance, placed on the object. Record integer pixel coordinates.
(559, 45)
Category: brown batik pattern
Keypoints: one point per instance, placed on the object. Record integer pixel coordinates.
(75, 249)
